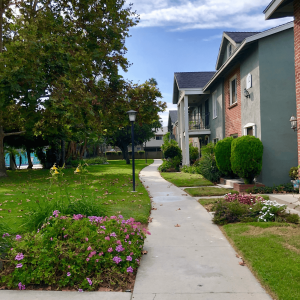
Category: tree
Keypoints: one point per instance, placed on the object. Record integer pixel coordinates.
(52, 55)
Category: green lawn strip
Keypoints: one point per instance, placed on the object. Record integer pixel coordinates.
(107, 184)
(208, 191)
(271, 250)
(185, 179)
(208, 201)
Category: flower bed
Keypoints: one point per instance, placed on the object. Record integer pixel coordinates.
(79, 252)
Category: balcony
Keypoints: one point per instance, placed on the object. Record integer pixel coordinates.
(199, 126)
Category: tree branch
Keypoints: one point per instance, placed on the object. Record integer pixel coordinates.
(14, 133)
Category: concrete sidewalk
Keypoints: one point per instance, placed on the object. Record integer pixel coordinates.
(193, 261)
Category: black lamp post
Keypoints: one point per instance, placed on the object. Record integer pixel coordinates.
(132, 116)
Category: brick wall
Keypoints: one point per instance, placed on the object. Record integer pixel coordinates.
(297, 64)
(233, 113)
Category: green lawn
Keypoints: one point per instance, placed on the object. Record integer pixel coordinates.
(272, 251)
(185, 179)
(110, 185)
(209, 191)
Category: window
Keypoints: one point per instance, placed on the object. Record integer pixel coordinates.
(159, 137)
(233, 91)
(215, 140)
(250, 129)
(214, 102)
(229, 50)
(235, 135)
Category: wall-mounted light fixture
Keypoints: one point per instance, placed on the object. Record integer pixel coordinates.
(246, 93)
(293, 121)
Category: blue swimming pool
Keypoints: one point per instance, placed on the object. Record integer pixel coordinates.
(33, 158)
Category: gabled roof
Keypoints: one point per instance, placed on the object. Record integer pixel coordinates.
(237, 54)
(279, 9)
(173, 115)
(234, 38)
(189, 80)
(238, 37)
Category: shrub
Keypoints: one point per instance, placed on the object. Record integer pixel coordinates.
(141, 152)
(100, 160)
(270, 210)
(189, 169)
(169, 164)
(282, 188)
(172, 151)
(222, 152)
(79, 252)
(293, 173)
(244, 199)
(194, 152)
(246, 157)
(74, 163)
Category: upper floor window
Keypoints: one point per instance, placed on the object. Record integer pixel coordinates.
(159, 137)
(233, 91)
(214, 104)
(229, 50)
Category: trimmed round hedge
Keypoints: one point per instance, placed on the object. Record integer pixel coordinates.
(222, 155)
(172, 151)
(246, 157)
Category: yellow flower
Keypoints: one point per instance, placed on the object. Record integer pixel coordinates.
(77, 170)
(54, 167)
(56, 171)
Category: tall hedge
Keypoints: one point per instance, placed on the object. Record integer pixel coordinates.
(246, 157)
(222, 154)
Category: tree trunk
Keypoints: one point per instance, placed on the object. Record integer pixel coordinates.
(83, 149)
(63, 152)
(12, 162)
(124, 150)
(2, 158)
(30, 165)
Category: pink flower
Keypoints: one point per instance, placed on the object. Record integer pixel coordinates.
(19, 266)
(87, 259)
(132, 233)
(113, 234)
(68, 274)
(129, 270)
(127, 236)
(107, 238)
(19, 256)
(69, 266)
(125, 230)
(119, 248)
(118, 242)
(92, 253)
(18, 237)
(63, 228)
(87, 239)
(129, 258)
(51, 239)
(101, 253)
(89, 248)
(89, 281)
(110, 250)
(117, 259)
(131, 253)
(120, 216)
(129, 243)
(80, 290)
(21, 286)
(65, 236)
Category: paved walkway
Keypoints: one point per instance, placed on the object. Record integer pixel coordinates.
(193, 261)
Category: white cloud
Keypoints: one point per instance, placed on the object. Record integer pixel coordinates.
(213, 37)
(165, 115)
(205, 14)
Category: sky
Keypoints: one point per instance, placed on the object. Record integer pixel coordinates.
(185, 36)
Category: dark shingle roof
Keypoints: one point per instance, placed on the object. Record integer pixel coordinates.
(188, 80)
(238, 37)
(173, 115)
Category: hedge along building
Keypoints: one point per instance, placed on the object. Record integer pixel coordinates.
(192, 107)
(263, 65)
(289, 8)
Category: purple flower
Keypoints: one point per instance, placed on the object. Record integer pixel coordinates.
(89, 248)
(87, 259)
(80, 290)
(148, 232)
(18, 237)
(117, 259)
(129, 270)
(63, 228)
(19, 266)
(77, 217)
(97, 260)
(119, 248)
(5, 234)
(101, 253)
(129, 258)
(65, 236)
(127, 236)
(19, 256)
(103, 227)
(110, 250)
(68, 274)
(129, 243)
(89, 281)
(51, 239)
(38, 231)
(87, 239)
(21, 286)
(107, 238)
(132, 233)
(120, 216)
(55, 213)
(92, 253)
(113, 234)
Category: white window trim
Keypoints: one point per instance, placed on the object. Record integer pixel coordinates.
(214, 104)
(253, 125)
(230, 88)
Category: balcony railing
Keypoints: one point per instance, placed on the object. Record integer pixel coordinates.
(198, 124)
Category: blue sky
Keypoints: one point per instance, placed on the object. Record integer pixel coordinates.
(184, 36)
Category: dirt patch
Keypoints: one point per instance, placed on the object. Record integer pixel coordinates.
(290, 247)
(209, 207)
(282, 231)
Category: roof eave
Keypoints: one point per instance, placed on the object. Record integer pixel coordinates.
(270, 10)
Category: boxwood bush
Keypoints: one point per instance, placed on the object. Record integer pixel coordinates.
(222, 153)
(246, 157)
(80, 252)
